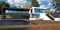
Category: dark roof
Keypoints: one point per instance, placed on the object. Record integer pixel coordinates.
(16, 9)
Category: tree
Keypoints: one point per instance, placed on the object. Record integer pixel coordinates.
(56, 3)
(48, 11)
(53, 1)
(26, 5)
(35, 3)
(3, 4)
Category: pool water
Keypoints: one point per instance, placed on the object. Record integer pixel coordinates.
(13, 22)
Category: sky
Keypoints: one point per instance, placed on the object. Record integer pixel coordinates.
(43, 3)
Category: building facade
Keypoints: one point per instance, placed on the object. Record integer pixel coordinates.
(37, 13)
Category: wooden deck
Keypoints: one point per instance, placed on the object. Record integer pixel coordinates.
(22, 27)
(45, 25)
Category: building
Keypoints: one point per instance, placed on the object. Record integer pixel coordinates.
(33, 13)
(15, 13)
(39, 13)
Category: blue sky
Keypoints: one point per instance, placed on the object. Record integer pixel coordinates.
(43, 3)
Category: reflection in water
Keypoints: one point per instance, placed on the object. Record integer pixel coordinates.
(16, 29)
(13, 23)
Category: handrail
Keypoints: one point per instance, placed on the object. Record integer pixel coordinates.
(50, 17)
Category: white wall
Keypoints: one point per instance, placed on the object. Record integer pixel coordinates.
(42, 15)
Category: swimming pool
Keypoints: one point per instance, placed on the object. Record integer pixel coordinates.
(13, 22)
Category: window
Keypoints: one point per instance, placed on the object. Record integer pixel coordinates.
(36, 10)
(42, 11)
(13, 14)
(35, 15)
(11, 11)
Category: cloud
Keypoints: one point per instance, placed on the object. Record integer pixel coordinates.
(21, 2)
(49, 4)
(24, 1)
(16, 2)
(41, 1)
(10, 1)
(43, 4)
(42, 7)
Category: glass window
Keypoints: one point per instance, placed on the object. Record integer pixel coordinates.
(35, 15)
(36, 10)
(11, 11)
(42, 11)
(12, 14)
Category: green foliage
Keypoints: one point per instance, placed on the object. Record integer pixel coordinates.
(1, 16)
(57, 3)
(35, 3)
(48, 11)
(27, 5)
(3, 4)
(53, 1)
